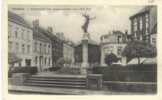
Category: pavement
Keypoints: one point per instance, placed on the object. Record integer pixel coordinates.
(62, 91)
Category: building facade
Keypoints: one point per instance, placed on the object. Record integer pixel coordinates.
(68, 51)
(42, 48)
(20, 37)
(68, 47)
(57, 45)
(143, 22)
(113, 42)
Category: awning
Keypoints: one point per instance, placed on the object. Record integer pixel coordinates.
(13, 58)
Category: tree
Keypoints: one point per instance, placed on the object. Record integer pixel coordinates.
(61, 61)
(137, 49)
(110, 58)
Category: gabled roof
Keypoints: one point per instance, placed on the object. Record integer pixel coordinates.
(17, 19)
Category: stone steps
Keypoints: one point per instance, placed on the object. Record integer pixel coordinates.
(55, 85)
(57, 81)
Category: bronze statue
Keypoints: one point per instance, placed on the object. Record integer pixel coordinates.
(85, 25)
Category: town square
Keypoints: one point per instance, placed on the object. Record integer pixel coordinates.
(82, 50)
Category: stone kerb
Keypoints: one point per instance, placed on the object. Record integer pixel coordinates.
(94, 81)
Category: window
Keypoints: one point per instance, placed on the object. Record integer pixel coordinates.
(48, 48)
(28, 48)
(35, 46)
(16, 33)
(22, 34)
(49, 61)
(135, 24)
(119, 39)
(10, 31)
(28, 62)
(135, 34)
(36, 58)
(141, 23)
(119, 50)
(45, 59)
(153, 40)
(40, 48)
(23, 48)
(108, 50)
(45, 48)
(17, 47)
(147, 21)
(28, 35)
(10, 45)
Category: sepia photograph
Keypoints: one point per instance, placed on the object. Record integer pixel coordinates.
(82, 49)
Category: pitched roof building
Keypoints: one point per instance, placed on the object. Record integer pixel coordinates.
(20, 36)
(42, 52)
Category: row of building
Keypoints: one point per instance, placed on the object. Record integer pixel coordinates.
(35, 46)
(143, 28)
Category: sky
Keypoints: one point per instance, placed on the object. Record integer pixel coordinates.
(69, 19)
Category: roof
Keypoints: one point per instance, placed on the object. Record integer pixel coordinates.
(113, 33)
(40, 35)
(112, 37)
(17, 19)
(48, 35)
(143, 10)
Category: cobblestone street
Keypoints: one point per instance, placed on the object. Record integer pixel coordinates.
(64, 91)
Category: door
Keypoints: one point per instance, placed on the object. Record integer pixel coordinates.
(28, 62)
(40, 63)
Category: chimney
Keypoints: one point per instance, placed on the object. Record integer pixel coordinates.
(126, 32)
(50, 29)
(126, 35)
(36, 24)
(60, 35)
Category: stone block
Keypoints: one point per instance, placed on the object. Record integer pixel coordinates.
(94, 81)
(18, 78)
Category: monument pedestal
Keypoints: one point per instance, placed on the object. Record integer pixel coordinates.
(85, 64)
(84, 68)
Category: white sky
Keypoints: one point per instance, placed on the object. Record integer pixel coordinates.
(69, 21)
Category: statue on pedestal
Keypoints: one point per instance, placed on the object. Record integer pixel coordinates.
(86, 37)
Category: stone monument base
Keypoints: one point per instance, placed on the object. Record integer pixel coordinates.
(84, 68)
